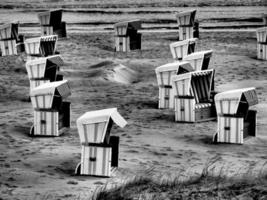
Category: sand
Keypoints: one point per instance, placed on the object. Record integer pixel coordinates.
(152, 143)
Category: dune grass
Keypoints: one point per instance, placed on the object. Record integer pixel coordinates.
(205, 186)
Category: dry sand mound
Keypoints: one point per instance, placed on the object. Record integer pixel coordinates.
(111, 71)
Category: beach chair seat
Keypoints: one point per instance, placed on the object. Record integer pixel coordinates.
(164, 74)
(126, 35)
(41, 46)
(51, 111)
(235, 121)
(99, 149)
(192, 102)
(199, 60)
(182, 48)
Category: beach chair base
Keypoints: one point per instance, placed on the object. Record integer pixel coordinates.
(8, 47)
(166, 97)
(262, 51)
(235, 129)
(128, 43)
(186, 32)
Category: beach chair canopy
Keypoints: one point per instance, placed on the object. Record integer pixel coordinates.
(9, 31)
(197, 84)
(50, 95)
(199, 60)
(186, 18)
(182, 48)
(51, 18)
(165, 72)
(127, 27)
(46, 67)
(235, 102)
(262, 34)
(93, 126)
(45, 45)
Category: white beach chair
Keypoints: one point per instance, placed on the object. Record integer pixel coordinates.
(51, 111)
(40, 46)
(192, 100)
(126, 35)
(99, 154)
(51, 23)
(262, 43)
(235, 121)
(43, 70)
(164, 74)
(182, 48)
(9, 38)
(199, 60)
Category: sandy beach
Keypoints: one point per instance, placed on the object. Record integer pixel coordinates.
(152, 143)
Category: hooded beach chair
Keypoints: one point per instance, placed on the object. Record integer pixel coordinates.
(40, 46)
(43, 70)
(262, 43)
(9, 38)
(199, 60)
(182, 48)
(186, 21)
(51, 111)
(192, 100)
(235, 121)
(51, 23)
(164, 74)
(126, 35)
(99, 156)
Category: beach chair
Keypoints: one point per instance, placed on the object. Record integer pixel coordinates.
(51, 23)
(51, 111)
(199, 60)
(126, 35)
(235, 120)
(186, 21)
(43, 70)
(40, 46)
(99, 156)
(264, 19)
(182, 48)
(192, 100)
(9, 38)
(164, 74)
(262, 43)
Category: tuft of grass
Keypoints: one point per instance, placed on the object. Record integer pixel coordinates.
(205, 186)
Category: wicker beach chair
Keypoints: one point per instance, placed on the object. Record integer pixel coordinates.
(235, 120)
(99, 155)
(192, 96)
(51, 111)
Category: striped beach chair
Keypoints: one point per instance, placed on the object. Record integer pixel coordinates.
(40, 46)
(262, 43)
(51, 23)
(186, 22)
(164, 75)
(99, 156)
(9, 38)
(199, 60)
(235, 120)
(182, 48)
(126, 35)
(44, 69)
(192, 102)
(51, 111)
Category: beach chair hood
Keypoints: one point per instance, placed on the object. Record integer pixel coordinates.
(36, 69)
(165, 72)
(51, 18)
(186, 17)
(197, 59)
(9, 31)
(97, 122)
(229, 102)
(123, 28)
(42, 97)
(196, 83)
